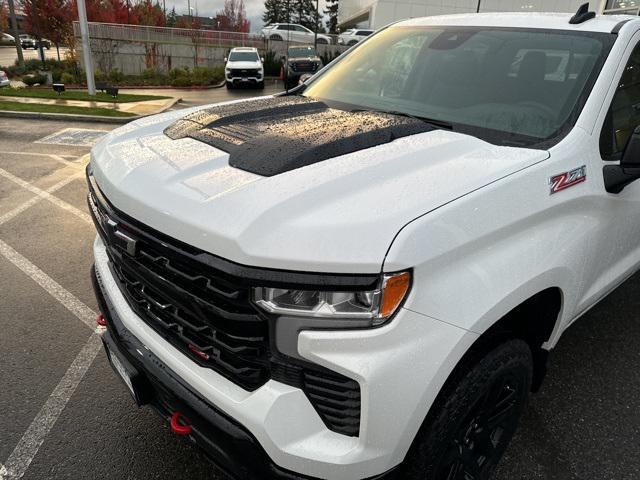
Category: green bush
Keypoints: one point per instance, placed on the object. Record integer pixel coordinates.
(206, 76)
(178, 72)
(181, 81)
(272, 63)
(116, 75)
(67, 77)
(99, 75)
(150, 73)
(33, 79)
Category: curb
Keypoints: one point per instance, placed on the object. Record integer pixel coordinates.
(79, 118)
(67, 117)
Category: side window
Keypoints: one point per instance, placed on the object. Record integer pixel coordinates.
(284, 27)
(624, 113)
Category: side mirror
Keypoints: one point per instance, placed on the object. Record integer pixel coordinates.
(617, 177)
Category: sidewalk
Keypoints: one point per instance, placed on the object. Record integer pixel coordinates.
(148, 107)
(196, 97)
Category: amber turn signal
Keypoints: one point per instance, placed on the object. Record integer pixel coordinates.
(394, 289)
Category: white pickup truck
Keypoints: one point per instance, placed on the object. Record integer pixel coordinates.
(362, 278)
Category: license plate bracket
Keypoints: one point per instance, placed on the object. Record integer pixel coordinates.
(128, 374)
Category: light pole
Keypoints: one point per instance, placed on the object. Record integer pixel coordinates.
(315, 33)
(86, 47)
(14, 30)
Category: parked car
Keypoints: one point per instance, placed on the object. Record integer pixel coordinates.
(27, 41)
(353, 36)
(244, 66)
(7, 40)
(4, 79)
(298, 61)
(363, 278)
(292, 32)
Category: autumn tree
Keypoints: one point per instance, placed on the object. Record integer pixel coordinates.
(148, 13)
(233, 17)
(50, 19)
(331, 10)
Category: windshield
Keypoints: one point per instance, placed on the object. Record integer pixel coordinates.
(302, 52)
(243, 57)
(507, 86)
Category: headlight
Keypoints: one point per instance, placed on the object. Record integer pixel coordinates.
(376, 305)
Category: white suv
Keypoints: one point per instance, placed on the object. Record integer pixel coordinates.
(363, 277)
(292, 32)
(244, 66)
(353, 36)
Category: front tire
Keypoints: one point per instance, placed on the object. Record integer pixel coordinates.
(229, 85)
(474, 417)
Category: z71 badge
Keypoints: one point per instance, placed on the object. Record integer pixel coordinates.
(568, 179)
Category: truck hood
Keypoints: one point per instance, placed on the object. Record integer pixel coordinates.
(336, 215)
(241, 65)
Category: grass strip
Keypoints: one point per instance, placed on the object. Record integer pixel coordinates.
(42, 108)
(76, 95)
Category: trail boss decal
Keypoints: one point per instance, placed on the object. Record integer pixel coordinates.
(568, 179)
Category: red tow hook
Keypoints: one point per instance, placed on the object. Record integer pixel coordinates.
(179, 428)
(100, 320)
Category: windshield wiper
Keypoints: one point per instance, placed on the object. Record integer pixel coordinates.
(431, 121)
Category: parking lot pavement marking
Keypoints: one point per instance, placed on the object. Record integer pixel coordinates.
(58, 158)
(28, 446)
(47, 196)
(79, 137)
(53, 288)
(28, 204)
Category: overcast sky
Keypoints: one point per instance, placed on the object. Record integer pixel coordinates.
(255, 9)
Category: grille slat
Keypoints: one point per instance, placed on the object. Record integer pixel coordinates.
(207, 315)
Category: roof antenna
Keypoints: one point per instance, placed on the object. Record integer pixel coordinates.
(582, 15)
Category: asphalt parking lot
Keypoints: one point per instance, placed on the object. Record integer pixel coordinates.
(66, 416)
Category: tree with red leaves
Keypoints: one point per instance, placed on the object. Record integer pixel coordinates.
(233, 17)
(50, 19)
(148, 13)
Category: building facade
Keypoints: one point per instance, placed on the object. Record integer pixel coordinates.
(378, 13)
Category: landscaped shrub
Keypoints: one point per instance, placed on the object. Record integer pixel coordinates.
(206, 76)
(99, 75)
(272, 63)
(67, 77)
(31, 80)
(56, 75)
(150, 73)
(116, 75)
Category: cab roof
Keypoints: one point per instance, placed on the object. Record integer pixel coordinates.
(553, 21)
(244, 49)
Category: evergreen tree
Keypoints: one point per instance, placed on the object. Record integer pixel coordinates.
(172, 18)
(331, 11)
(275, 11)
(303, 12)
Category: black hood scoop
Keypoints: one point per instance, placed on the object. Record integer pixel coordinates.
(278, 134)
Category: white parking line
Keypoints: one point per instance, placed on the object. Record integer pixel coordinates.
(21, 208)
(28, 446)
(47, 196)
(53, 288)
(57, 158)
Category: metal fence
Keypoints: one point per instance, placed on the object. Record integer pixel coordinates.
(169, 36)
(178, 36)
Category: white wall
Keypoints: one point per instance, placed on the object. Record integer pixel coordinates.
(387, 11)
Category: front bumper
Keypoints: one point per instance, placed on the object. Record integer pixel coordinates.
(400, 368)
(245, 80)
